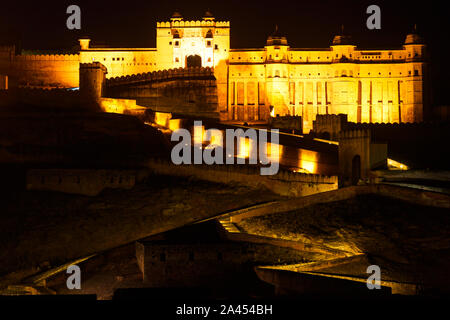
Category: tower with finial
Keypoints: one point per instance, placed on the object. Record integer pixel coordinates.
(342, 46)
(176, 16)
(276, 38)
(208, 16)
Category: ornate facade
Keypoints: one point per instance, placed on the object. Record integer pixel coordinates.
(383, 86)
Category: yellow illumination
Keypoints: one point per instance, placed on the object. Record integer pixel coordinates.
(199, 134)
(244, 148)
(216, 138)
(162, 119)
(308, 160)
(274, 152)
(395, 165)
(272, 113)
(174, 124)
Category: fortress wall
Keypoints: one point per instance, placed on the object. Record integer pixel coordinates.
(46, 70)
(382, 132)
(161, 75)
(330, 124)
(354, 155)
(285, 183)
(122, 62)
(48, 97)
(79, 181)
(286, 122)
(161, 263)
(186, 91)
(400, 131)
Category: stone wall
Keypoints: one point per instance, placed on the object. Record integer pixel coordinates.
(286, 123)
(186, 91)
(200, 264)
(285, 183)
(354, 156)
(328, 126)
(80, 181)
(43, 70)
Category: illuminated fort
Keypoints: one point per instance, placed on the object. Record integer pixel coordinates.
(384, 86)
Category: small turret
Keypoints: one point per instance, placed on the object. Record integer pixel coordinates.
(208, 15)
(176, 16)
(342, 39)
(414, 37)
(414, 46)
(276, 38)
(84, 43)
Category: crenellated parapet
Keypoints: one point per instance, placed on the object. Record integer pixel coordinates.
(355, 134)
(329, 125)
(93, 65)
(46, 57)
(163, 75)
(378, 126)
(192, 23)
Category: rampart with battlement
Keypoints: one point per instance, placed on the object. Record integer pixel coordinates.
(328, 126)
(286, 123)
(286, 183)
(192, 23)
(41, 70)
(163, 75)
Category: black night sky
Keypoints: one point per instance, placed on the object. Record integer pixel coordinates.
(307, 24)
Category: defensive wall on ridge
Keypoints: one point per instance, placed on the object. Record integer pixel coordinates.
(81, 181)
(285, 183)
(41, 70)
(93, 181)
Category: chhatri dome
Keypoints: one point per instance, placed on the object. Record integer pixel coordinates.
(176, 16)
(414, 37)
(208, 15)
(342, 39)
(276, 38)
